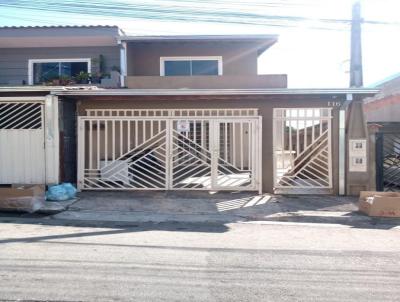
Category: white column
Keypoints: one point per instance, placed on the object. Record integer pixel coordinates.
(123, 63)
(52, 142)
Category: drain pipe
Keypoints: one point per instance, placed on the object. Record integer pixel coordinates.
(342, 143)
(123, 63)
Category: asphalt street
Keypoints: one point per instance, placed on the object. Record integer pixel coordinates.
(42, 261)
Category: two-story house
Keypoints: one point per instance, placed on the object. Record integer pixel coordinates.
(117, 112)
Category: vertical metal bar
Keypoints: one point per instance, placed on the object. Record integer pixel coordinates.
(214, 147)
(168, 154)
(234, 144)
(202, 134)
(241, 145)
(305, 133)
(136, 122)
(297, 137)
(330, 149)
(321, 121)
(129, 135)
(290, 144)
(144, 131)
(313, 126)
(121, 137)
(151, 128)
(342, 151)
(253, 163)
(226, 141)
(106, 141)
(379, 161)
(98, 144)
(81, 153)
(195, 131)
(283, 140)
(259, 157)
(113, 139)
(250, 133)
(90, 145)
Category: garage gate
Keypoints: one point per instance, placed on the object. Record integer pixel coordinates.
(22, 144)
(196, 149)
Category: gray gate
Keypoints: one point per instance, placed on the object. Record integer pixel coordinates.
(388, 161)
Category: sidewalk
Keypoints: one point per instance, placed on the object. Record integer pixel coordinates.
(203, 207)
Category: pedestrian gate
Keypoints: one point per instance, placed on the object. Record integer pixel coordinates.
(196, 149)
(388, 161)
(302, 148)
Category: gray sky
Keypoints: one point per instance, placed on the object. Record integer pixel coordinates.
(314, 34)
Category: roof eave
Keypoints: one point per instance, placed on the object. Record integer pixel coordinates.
(171, 38)
(156, 92)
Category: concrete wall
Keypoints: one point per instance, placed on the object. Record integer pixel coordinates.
(266, 104)
(14, 61)
(239, 58)
(209, 82)
(386, 109)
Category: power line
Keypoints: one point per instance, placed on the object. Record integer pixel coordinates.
(189, 11)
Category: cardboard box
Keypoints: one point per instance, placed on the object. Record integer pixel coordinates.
(379, 204)
(25, 198)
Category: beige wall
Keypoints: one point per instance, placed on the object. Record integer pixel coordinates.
(208, 82)
(264, 103)
(143, 59)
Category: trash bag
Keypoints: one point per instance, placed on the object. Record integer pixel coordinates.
(61, 192)
(71, 190)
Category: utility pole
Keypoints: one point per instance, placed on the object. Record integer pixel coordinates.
(356, 70)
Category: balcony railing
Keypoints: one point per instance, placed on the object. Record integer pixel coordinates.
(207, 82)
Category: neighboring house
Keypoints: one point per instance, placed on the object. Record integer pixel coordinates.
(37, 55)
(382, 113)
(385, 106)
(165, 113)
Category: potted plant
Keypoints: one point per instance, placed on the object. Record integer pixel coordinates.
(55, 82)
(83, 77)
(65, 80)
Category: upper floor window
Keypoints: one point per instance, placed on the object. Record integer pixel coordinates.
(190, 66)
(45, 70)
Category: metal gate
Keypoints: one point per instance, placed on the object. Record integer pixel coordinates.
(388, 161)
(22, 153)
(302, 148)
(197, 149)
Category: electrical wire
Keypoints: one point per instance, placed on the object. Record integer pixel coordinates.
(255, 12)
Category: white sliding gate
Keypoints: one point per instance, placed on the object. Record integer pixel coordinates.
(196, 149)
(22, 149)
(302, 148)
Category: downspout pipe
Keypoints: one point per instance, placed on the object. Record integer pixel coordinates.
(123, 62)
(342, 143)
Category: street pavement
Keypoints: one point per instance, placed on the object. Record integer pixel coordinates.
(49, 260)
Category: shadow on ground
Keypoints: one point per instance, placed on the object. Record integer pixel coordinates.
(203, 211)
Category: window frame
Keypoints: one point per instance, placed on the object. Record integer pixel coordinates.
(190, 58)
(77, 60)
